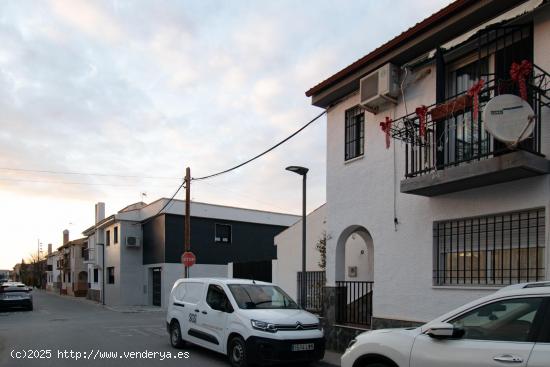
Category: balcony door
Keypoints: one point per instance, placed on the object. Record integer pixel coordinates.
(463, 138)
(514, 45)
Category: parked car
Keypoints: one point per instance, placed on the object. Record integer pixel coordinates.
(15, 295)
(508, 327)
(249, 321)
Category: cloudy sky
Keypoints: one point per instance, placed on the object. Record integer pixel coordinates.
(146, 88)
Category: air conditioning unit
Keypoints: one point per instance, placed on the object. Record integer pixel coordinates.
(352, 271)
(379, 87)
(132, 241)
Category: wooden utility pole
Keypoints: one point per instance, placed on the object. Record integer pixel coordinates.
(187, 224)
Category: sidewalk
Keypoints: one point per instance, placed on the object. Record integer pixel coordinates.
(331, 358)
(121, 309)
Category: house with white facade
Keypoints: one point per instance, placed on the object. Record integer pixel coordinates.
(287, 267)
(73, 271)
(137, 251)
(450, 209)
(53, 273)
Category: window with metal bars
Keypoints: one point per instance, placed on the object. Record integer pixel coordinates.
(355, 133)
(498, 249)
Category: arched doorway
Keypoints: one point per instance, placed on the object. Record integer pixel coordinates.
(354, 275)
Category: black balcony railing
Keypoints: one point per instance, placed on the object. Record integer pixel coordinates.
(453, 136)
(354, 302)
(315, 284)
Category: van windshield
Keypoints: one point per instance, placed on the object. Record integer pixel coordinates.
(259, 296)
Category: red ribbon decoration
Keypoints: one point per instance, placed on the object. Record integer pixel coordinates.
(519, 73)
(421, 112)
(474, 93)
(386, 128)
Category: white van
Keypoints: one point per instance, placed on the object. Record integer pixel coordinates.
(249, 321)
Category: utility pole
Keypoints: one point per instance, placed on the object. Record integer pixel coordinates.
(187, 223)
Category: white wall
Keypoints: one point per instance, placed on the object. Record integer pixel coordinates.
(289, 250)
(361, 192)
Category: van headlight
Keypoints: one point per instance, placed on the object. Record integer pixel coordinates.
(264, 326)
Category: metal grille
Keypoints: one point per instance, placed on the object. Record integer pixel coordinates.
(354, 302)
(355, 133)
(315, 283)
(498, 249)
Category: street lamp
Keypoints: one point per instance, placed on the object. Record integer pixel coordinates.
(302, 171)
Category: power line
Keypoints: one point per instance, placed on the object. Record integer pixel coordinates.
(85, 173)
(264, 152)
(70, 182)
(168, 202)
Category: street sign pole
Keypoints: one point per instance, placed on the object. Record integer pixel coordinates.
(187, 223)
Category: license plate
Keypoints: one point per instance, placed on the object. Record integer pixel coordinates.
(302, 347)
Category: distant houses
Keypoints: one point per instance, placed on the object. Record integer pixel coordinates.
(133, 257)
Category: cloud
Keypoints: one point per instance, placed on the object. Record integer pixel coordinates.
(150, 87)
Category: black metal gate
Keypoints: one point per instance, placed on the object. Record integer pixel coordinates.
(354, 302)
(157, 286)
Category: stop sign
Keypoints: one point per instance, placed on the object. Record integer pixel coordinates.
(188, 259)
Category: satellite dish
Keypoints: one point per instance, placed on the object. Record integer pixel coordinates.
(508, 118)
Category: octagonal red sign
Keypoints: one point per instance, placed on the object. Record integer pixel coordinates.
(188, 259)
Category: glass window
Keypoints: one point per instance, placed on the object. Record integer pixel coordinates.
(250, 296)
(216, 298)
(111, 275)
(223, 233)
(355, 133)
(497, 249)
(96, 275)
(115, 235)
(193, 292)
(507, 320)
(108, 238)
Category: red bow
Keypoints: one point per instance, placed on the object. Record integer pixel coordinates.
(519, 73)
(386, 127)
(474, 93)
(421, 112)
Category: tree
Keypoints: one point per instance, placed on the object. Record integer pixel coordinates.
(321, 246)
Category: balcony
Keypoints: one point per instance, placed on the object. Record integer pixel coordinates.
(458, 154)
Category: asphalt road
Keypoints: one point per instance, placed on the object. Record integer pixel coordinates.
(61, 324)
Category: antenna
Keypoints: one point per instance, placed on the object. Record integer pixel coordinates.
(509, 119)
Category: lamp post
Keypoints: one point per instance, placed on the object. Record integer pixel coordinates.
(302, 171)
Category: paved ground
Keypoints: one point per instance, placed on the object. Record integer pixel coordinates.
(60, 325)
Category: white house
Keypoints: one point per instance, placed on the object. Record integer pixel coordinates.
(137, 251)
(450, 212)
(288, 265)
(53, 273)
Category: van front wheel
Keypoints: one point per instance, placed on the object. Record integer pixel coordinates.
(237, 352)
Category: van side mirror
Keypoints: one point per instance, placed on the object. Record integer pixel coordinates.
(444, 330)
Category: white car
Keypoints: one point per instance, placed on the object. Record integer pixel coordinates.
(510, 327)
(249, 321)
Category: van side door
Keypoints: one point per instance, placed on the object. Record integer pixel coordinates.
(215, 312)
(190, 327)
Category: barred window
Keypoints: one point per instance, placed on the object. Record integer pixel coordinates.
(498, 249)
(355, 132)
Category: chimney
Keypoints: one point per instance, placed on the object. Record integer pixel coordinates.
(49, 248)
(99, 212)
(65, 236)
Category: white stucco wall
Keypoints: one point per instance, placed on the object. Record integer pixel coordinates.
(289, 250)
(361, 192)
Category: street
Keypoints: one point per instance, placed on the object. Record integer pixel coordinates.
(60, 325)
